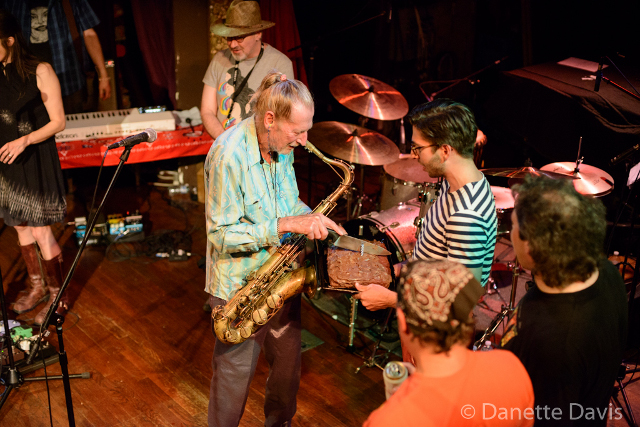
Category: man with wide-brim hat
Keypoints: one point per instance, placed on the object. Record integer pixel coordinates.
(235, 73)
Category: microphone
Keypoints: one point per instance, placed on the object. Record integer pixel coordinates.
(626, 153)
(149, 135)
(599, 75)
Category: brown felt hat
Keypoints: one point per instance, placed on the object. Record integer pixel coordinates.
(243, 18)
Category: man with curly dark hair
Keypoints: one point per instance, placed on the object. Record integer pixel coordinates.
(451, 385)
(569, 330)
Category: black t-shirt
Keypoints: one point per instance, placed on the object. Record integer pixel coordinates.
(571, 345)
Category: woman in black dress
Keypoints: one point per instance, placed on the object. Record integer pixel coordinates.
(31, 184)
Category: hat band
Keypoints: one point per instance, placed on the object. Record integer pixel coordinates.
(244, 26)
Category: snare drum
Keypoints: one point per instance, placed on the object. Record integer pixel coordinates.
(504, 206)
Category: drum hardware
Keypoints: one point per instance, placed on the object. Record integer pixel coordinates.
(392, 225)
(357, 207)
(507, 309)
(426, 199)
(490, 289)
(372, 360)
(352, 324)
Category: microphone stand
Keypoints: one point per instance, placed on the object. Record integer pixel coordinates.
(458, 81)
(616, 85)
(59, 320)
(13, 377)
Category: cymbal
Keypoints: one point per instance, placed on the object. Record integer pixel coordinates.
(589, 180)
(369, 97)
(520, 173)
(353, 143)
(408, 169)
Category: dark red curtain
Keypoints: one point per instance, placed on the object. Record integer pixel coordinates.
(285, 34)
(154, 28)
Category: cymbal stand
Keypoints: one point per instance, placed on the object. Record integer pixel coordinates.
(352, 324)
(579, 159)
(373, 359)
(506, 311)
(357, 206)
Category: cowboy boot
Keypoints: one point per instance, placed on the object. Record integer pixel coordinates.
(36, 290)
(53, 277)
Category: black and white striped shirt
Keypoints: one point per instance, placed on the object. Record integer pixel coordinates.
(461, 226)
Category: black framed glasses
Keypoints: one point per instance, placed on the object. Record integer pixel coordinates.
(236, 39)
(416, 149)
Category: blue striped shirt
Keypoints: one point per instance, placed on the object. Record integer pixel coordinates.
(461, 226)
(65, 61)
(240, 209)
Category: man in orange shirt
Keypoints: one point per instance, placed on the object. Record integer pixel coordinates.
(451, 385)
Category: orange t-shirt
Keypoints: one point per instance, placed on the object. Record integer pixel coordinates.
(492, 389)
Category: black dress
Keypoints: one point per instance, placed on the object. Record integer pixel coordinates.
(32, 187)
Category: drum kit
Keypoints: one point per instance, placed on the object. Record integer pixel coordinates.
(406, 187)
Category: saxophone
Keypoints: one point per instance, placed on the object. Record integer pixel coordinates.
(274, 282)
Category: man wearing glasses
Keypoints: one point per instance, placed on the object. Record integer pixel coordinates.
(461, 225)
(235, 73)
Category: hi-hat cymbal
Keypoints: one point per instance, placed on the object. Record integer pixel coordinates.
(369, 97)
(408, 169)
(589, 181)
(353, 143)
(520, 173)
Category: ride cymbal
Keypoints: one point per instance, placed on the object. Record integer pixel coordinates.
(353, 143)
(589, 180)
(369, 97)
(521, 173)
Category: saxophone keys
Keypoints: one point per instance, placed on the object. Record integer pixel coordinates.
(245, 332)
(260, 316)
(274, 301)
(232, 336)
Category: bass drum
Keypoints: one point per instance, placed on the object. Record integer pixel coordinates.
(394, 227)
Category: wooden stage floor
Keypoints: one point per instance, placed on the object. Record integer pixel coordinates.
(138, 327)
